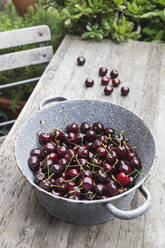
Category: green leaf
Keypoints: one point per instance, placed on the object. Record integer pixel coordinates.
(88, 27)
(99, 36)
(85, 35)
(67, 22)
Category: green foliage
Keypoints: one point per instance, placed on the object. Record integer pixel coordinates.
(119, 20)
(10, 20)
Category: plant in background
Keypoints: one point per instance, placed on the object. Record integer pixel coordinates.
(10, 20)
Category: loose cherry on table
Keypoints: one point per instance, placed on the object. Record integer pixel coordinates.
(89, 82)
(102, 71)
(115, 82)
(114, 74)
(105, 80)
(81, 60)
(108, 90)
(124, 91)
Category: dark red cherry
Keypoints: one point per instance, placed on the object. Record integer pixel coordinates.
(115, 82)
(60, 184)
(34, 163)
(131, 155)
(124, 91)
(111, 157)
(83, 162)
(101, 152)
(112, 188)
(45, 185)
(72, 138)
(57, 169)
(85, 127)
(46, 164)
(90, 157)
(121, 151)
(103, 139)
(87, 183)
(50, 147)
(57, 134)
(135, 162)
(37, 152)
(124, 167)
(100, 189)
(83, 152)
(96, 144)
(71, 153)
(72, 173)
(39, 177)
(86, 173)
(101, 176)
(72, 128)
(62, 150)
(80, 60)
(123, 179)
(109, 131)
(98, 127)
(114, 74)
(91, 135)
(131, 182)
(108, 90)
(75, 191)
(70, 185)
(105, 80)
(102, 71)
(62, 161)
(108, 168)
(80, 138)
(53, 156)
(89, 82)
(89, 145)
(44, 137)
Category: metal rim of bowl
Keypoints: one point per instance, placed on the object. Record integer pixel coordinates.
(88, 201)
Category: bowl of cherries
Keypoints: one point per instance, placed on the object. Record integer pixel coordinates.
(86, 159)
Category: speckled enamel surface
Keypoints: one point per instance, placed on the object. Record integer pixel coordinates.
(78, 111)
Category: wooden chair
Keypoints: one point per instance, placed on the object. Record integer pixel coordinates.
(41, 55)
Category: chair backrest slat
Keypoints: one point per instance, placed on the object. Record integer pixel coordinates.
(25, 58)
(24, 36)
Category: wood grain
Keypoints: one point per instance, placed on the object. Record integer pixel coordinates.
(25, 58)
(24, 36)
(23, 222)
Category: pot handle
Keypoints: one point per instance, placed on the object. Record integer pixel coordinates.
(131, 214)
(50, 100)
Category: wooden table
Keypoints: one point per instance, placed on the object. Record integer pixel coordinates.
(23, 222)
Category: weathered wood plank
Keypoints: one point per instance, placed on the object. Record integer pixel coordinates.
(24, 36)
(23, 222)
(2, 139)
(25, 58)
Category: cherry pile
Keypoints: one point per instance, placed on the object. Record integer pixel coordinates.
(86, 162)
(105, 80)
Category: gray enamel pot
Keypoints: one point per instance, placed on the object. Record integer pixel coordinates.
(96, 211)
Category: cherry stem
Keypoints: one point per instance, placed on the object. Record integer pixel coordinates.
(49, 177)
(64, 115)
(72, 179)
(79, 164)
(68, 164)
(115, 163)
(114, 178)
